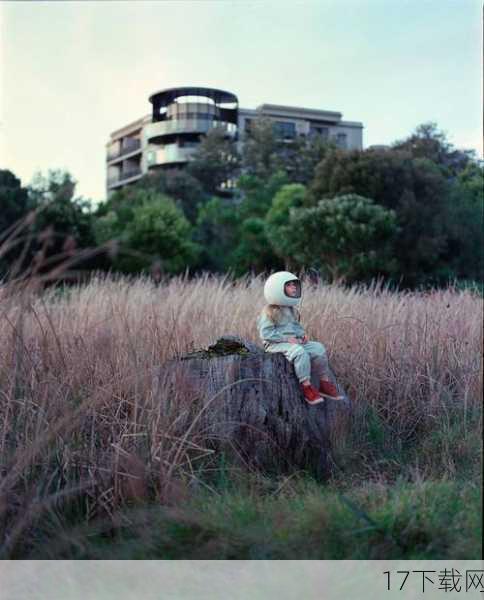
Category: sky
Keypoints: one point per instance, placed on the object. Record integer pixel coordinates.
(73, 72)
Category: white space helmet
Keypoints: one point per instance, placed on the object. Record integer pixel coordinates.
(274, 289)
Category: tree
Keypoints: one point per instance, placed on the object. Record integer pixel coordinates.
(232, 231)
(14, 201)
(253, 253)
(61, 225)
(264, 153)
(152, 230)
(464, 214)
(415, 189)
(471, 180)
(185, 190)
(252, 250)
(14, 206)
(277, 221)
(215, 162)
(303, 155)
(256, 194)
(347, 237)
(61, 213)
(427, 141)
(56, 186)
(217, 233)
(260, 152)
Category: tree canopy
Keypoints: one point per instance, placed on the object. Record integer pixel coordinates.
(150, 230)
(427, 141)
(14, 200)
(347, 238)
(216, 162)
(412, 212)
(415, 188)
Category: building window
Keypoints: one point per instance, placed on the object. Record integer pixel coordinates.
(341, 141)
(228, 184)
(194, 116)
(284, 129)
(319, 130)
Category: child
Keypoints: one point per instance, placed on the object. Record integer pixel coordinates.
(280, 330)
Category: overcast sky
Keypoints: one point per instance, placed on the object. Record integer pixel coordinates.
(73, 72)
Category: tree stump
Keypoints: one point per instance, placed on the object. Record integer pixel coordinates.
(249, 403)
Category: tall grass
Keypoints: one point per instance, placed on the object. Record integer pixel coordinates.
(83, 432)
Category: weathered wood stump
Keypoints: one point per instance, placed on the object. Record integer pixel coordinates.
(250, 402)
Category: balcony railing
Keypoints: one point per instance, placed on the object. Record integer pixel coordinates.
(128, 174)
(179, 126)
(127, 146)
(172, 154)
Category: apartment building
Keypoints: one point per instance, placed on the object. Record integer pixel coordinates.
(180, 117)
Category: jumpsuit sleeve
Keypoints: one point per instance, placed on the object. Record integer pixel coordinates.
(268, 331)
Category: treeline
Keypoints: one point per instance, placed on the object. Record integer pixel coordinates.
(411, 213)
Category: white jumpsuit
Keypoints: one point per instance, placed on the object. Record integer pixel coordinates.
(311, 355)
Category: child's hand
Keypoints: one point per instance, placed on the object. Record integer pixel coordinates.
(293, 340)
(304, 339)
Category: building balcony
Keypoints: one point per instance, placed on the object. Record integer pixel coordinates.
(156, 132)
(171, 154)
(124, 176)
(128, 146)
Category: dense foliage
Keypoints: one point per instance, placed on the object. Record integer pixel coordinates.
(345, 237)
(411, 213)
(151, 229)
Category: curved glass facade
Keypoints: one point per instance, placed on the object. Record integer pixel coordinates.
(183, 115)
(187, 110)
(179, 103)
(156, 132)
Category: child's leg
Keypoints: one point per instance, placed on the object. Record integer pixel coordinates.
(319, 359)
(296, 354)
(320, 364)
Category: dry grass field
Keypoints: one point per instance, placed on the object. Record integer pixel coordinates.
(94, 465)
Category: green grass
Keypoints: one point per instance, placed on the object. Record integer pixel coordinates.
(253, 519)
(386, 500)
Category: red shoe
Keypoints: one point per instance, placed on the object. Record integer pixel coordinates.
(311, 395)
(329, 390)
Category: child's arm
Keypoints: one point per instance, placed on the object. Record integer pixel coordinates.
(268, 331)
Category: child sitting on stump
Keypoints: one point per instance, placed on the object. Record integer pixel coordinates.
(281, 331)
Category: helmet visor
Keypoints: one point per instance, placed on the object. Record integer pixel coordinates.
(292, 289)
